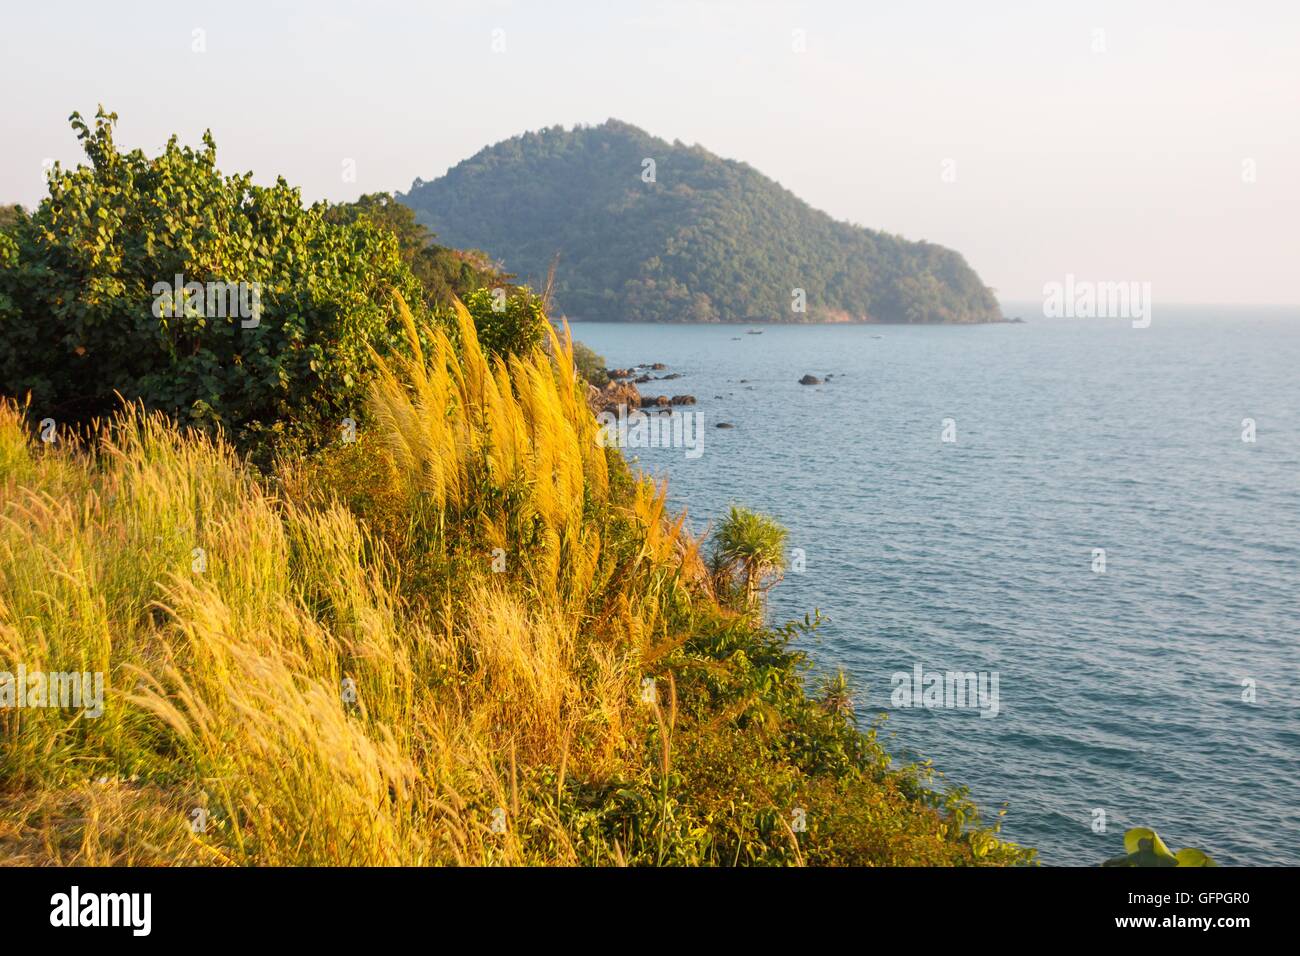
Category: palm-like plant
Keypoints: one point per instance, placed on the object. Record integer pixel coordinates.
(750, 546)
(836, 695)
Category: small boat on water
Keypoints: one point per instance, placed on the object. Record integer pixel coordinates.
(754, 332)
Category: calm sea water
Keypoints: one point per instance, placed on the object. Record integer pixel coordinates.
(1119, 691)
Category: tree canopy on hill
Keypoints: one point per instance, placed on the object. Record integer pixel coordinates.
(705, 239)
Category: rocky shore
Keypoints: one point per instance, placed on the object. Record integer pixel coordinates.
(622, 391)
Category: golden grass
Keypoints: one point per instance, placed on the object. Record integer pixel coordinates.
(423, 648)
(230, 679)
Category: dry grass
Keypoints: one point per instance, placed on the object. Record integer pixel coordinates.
(228, 678)
(424, 648)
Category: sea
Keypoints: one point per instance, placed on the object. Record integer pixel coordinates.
(1096, 524)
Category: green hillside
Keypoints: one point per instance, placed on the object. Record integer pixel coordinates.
(709, 239)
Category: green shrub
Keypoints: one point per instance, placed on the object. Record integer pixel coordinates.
(591, 366)
(87, 307)
(509, 321)
(445, 274)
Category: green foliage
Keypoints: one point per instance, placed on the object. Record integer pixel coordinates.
(749, 548)
(9, 216)
(508, 321)
(446, 274)
(590, 365)
(710, 240)
(1143, 847)
(80, 309)
(835, 693)
(8, 307)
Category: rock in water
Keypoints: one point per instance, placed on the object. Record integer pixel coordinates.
(613, 395)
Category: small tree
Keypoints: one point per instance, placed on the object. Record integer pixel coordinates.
(750, 547)
(91, 303)
(509, 321)
(836, 694)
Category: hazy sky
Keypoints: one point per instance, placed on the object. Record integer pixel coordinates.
(1123, 154)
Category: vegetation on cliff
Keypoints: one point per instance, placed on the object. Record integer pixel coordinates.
(203, 295)
(220, 302)
(468, 636)
(447, 626)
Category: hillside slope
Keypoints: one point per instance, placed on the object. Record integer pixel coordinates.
(709, 239)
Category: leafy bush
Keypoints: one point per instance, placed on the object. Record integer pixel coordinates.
(508, 321)
(445, 274)
(86, 308)
(590, 365)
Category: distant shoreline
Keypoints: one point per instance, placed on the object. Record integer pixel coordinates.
(770, 323)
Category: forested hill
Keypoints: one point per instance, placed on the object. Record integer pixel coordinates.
(694, 238)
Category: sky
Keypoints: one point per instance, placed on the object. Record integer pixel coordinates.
(1135, 141)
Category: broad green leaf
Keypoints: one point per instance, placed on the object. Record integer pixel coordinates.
(1133, 842)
